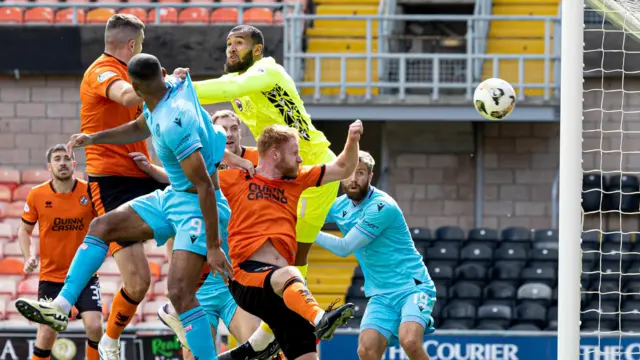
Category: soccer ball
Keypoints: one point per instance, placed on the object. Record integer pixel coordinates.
(494, 99)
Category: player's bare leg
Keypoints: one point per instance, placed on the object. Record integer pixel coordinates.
(411, 335)
(371, 345)
(45, 338)
(182, 283)
(92, 321)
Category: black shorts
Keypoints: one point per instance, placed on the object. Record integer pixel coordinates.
(109, 192)
(89, 299)
(294, 333)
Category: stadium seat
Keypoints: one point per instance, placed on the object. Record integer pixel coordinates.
(516, 234)
(479, 254)
(441, 271)
(461, 311)
(471, 272)
(109, 287)
(531, 313)
(622, 193)
(5, 193)
(617, 238)
(483, 236)
(450, 234)
(543, 255)
(155, 269)
(194, 16)
(36, 176)
(28, 286)
(11, 15)
(65, 16)
(442, 293)
(3, 309)
(541, 274)
(140, 13)
(201, 1)
(167, 15)
(552, 319)
(591, 239)
(592, 192)
(355, 291)
(525, 327)
(357, 273)
(9, 177)
(6, 233)
(507, 271)
(109, 268)
(20, 193)
(150, 309)
(160, 288)
(258, 16)
(499, 315)
(164, 271)
(500, 292)
(40, 15)
(8, 286)
(512, 252)
(539, 293)
(12, 249)
(99, 16)
(464, 290)
(454, 325)
(224, 16)
(421, 235)
(545, 238)
(489, 327)
(444, 253)
(14, 210)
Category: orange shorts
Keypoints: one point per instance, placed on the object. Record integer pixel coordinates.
(110, 192)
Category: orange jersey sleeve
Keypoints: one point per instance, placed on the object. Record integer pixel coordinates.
(251, 154)
(264, 210)
(63, 221)
(98, 113)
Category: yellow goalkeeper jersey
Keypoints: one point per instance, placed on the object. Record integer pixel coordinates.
(265, 95)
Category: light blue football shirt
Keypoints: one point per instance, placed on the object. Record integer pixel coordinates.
(180, 126)
(390, 261)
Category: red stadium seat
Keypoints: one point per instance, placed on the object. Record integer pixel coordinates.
(11, 267)
(40, 15)
(109, 268)
(194, 16)
(14, 210)
(224, 16)
(65, 16)
(9, 177)
(10, 15)
(109, 287)
(99, 16)
(139, 1)
(168, 15)
(6, 233)
(156, 269)
(150, 310)
(12, 249)
(164, 271)
(36, 176)
(21, 192)
(3, 309)
(28, 286)
(258, 16)
(159, 288)
(140, 13)
(263, 1)
(8, 286)
(5, 193)
(231, 1)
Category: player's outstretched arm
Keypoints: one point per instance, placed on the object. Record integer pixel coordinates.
(195, 169)
(345, 164)
(228, 88)
(375, 219)
(123, 93)
(128, 133)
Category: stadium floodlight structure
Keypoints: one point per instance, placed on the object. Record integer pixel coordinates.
(598, 136)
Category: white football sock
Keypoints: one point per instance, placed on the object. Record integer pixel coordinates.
(62, 303)
(316, 321)
(260, 339)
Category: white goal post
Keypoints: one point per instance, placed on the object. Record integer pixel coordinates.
(570, 210)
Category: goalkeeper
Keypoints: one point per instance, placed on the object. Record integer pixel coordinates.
(263, 94)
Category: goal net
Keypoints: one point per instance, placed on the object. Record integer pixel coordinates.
(610, 225)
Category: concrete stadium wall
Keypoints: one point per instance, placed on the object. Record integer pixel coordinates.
(432, 165)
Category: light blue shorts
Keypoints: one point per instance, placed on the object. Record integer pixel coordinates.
(216, 301)
(386, 312)
(176, 214)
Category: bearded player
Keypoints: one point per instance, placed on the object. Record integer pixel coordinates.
(263, 94)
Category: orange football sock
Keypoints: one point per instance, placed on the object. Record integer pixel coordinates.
(123, 309)
(92, 350)
(299, 299)
(41, 354)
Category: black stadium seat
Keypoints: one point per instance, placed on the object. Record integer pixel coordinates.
(545, 238)
(531, 313)
(483, 236)
(489, 327)
(623, 193)
(593, 198)
(440, 272)
(471, 272)
(478, 254)
(500, 292)
(454, 325)
(512, 252)
(591, 240)
(535, 292)
(524, 327)
(442, 290)
(461, 311)
(357, 273)
(540, 274)
(507, 271)
(500, 315)
(543, 255)
(421, 235)
(450, 235)
(552, 318)
(465, 290)
(355, 291)
(443, 253)
(516, 234)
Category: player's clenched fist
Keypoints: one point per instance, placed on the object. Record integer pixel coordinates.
(78, 140)
(355, 130)
(180, 72)
(30, 265)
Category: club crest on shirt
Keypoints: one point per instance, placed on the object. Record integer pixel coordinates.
(105, 75)
(238, 104)
(84, 200)
(26, 207)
